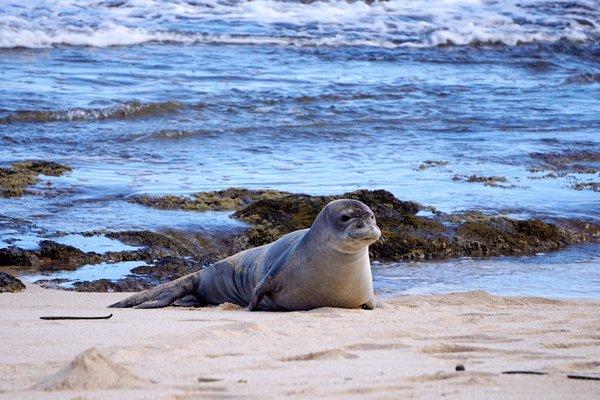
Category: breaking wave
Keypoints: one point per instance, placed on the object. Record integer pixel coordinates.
(394, 23)
(131, 109)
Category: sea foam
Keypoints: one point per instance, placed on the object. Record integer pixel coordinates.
(395, 23)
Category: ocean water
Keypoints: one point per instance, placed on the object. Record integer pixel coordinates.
(321, 97)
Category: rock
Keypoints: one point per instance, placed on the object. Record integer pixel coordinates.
(9, 283)
(55, 256)
(48, 168)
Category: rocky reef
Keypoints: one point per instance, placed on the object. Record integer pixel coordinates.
(405, 234)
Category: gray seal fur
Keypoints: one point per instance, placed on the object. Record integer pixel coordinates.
(326, 265)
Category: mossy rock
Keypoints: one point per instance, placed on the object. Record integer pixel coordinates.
(48, 168)
(222, 200)
(15, 180)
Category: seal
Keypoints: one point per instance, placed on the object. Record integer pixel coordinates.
(326, 265)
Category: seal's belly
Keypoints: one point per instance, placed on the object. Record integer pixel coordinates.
(349, 290)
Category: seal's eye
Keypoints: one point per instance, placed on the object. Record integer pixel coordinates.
(345, 218)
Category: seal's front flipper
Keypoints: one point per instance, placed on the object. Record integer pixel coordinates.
(162, 295)
(267, 285)
(260, 291)
(191, 300)
(369, 305)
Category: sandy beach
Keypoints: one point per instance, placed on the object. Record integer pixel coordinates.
(406, 348)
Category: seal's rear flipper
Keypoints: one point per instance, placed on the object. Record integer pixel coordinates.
(162, 295)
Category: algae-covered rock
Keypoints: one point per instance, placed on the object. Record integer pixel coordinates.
(9, 283)
(402, 231)
(223, 200)
(580, 161)
(271, 218)
(47, 168)
(15, 180)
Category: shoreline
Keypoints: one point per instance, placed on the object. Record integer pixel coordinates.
(410, 232)
(408, 346)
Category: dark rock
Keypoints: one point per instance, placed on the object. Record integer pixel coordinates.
(55, 256)
(9, 283)
(159, 244)
(202, 245)
(169, 268)
(106, 285)
(15, 257)
(493, 181)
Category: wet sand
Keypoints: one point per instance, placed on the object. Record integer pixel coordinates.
(408, 347)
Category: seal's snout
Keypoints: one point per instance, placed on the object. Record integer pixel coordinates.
(364, 229)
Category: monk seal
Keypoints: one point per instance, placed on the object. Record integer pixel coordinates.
(326, 265)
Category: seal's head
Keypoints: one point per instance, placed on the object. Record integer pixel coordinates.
(352, 225)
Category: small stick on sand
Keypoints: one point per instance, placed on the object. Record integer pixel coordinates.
(524, 372)
(71, 318)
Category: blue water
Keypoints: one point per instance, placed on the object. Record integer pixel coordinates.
(156, 96)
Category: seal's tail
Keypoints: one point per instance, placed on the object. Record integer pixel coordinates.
(162, 295)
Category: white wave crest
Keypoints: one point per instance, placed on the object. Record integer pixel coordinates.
(394, 23)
